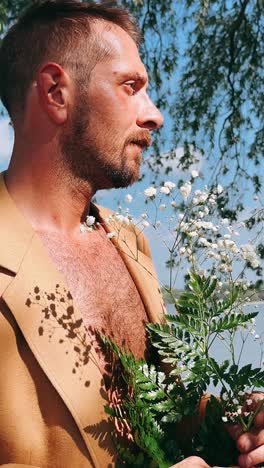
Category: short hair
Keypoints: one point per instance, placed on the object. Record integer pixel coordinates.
(59, 31)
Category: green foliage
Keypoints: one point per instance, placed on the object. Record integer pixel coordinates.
(215, 449)
(162, 399)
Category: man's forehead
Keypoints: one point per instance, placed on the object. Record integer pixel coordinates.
(122, 53)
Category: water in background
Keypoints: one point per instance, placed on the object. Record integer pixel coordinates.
(253, 350)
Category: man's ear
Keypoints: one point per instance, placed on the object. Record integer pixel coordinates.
(53, 85)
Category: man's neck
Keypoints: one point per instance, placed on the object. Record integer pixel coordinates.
(51, 200)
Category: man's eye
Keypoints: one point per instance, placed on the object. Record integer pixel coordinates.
(131, 85)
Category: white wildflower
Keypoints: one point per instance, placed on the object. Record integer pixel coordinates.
(144, 216)
(201, 272)
(193, 234)
(122, 219)
(128, 198)
(194, 174)
(82, 228)
(219, 189)
(214, 255)
(204, 242)
(90, 220)
(162, 207)
(249, 402)
(112, 234)
(186, 189)
(199, 197)
(126, 220)
(225, 396)
(165, 190)
(249, 254)
(173, 204)
(224, 419)
(182, 250)
(145, 224)
(211, 200)
(224, 221)
(170, 185)
(150, 192)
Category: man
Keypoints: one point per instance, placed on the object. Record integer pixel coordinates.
(76, 90)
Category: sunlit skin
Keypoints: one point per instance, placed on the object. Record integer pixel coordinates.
(71, 143)
(118, 120)
(116, 107)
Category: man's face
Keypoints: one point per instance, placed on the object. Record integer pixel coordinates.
(112, 119)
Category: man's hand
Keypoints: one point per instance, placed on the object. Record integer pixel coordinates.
(251, 444)
(194, 462)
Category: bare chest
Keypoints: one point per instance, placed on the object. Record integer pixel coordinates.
(102, 287)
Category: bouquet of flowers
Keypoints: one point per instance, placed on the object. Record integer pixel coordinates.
(181, 401)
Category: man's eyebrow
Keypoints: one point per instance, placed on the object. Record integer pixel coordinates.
(140, 77)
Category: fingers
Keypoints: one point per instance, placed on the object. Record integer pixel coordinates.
(259, 419)
(192, 462)
(252, 459)
(250, 440)
(251, 445)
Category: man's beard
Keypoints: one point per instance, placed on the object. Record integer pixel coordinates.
(98, 158)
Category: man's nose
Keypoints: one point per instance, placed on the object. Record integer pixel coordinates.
(149, 115)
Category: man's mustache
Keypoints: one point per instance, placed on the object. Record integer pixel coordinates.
(142, 139)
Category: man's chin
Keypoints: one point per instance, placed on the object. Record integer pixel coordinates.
(125, 178)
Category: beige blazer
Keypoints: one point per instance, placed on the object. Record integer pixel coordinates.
(51, 392)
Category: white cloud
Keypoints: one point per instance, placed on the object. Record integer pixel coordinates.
(6, 141)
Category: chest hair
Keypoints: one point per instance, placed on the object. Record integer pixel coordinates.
(101, 286)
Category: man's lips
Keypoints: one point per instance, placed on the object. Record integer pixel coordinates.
(140, 144)
(142, 139)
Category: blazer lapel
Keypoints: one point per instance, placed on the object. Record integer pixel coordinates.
(53, 329)
(140, 266)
